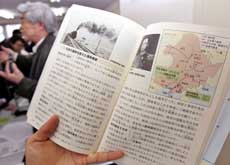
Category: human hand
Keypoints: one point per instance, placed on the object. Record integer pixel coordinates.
(41, 150)
(4, 55)
(16, 76)
(7, 54)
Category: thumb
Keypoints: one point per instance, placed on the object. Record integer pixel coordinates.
(2, 74)
(47, 129)
(104, 156)
(6, 49)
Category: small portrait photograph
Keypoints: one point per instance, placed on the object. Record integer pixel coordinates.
(93, 38)
(146, 52)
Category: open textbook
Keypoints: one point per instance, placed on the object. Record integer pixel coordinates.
(153, 92)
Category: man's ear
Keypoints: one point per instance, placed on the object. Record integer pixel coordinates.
(41, 25)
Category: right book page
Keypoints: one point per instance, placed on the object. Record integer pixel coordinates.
(172, 96)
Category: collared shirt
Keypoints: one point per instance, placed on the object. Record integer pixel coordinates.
(35, 47)
(14, 55)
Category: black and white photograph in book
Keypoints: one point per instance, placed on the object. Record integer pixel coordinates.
(92, 38)
(146, 52)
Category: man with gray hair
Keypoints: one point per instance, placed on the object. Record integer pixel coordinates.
(38, 24)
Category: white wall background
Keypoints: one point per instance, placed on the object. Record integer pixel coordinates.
(151, 11)
(207, 12)
(114, 7)
(212, 12)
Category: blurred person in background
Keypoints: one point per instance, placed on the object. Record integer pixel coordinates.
(38, 25)
(17, 43)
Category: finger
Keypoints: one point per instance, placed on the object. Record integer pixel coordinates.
(47, 129)
(2, 47)
(2, 74)
(104, 156)
(5, 49)
(3, 56)
(7, 68)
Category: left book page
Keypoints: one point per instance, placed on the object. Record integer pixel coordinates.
(83, 76)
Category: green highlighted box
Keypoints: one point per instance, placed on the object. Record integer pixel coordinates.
(167, 73)
(198, 96)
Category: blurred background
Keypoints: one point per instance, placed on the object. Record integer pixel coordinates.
(9, 19)
(192, 11)
(13, 128)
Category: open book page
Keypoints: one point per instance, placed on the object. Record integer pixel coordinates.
(171, 97)
(83, 76)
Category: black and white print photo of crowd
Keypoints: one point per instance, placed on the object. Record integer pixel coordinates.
(92, 38)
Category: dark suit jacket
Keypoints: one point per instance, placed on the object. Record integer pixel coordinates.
(32, 67)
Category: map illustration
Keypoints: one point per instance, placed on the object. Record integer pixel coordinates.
(188, 66)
